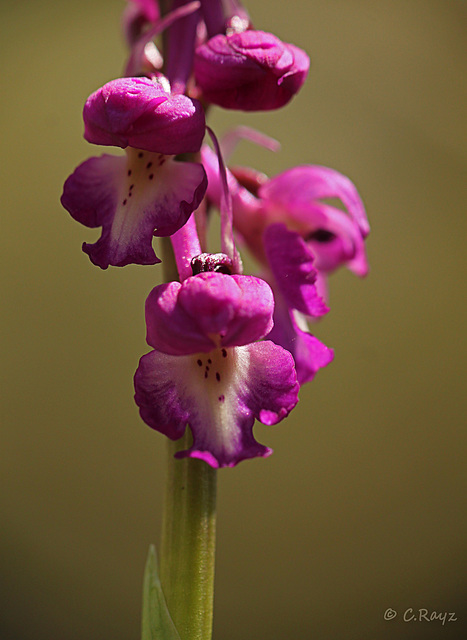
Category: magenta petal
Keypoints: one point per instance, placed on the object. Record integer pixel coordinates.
(89, 194)
(170, 329)
(206, 310)
(335, 239)
(218, 395)
(295, 76)
(297, 188)
(157, 394)
(291, 262)
(251, 70)
(136, 16)
(237, 308)
(149, 9)
(139, 113)
(133, 199)
(309, 353)
(273, 391)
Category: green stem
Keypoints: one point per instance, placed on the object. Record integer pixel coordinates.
(188, 543)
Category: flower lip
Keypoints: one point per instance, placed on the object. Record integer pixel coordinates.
(132, 199)
(218, 395)
(140, 113)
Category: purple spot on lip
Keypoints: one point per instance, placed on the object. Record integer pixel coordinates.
(218, 376)
(209, 361)
(200, 363)
(129, 172)
(140, 154)
(151, 176)
(205, 374)
(224, 353)
(149, 165)
(131, 186)
(221, 398)
(124, 202)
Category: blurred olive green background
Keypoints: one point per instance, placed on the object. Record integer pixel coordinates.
(362, 506)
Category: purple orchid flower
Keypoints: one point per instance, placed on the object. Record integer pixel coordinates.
(331, 236)
(250, 70)
(207, 369)
(299, 240)
(335, 237)
(147, 192)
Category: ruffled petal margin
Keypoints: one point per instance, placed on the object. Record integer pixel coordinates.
(132, 199)
(218, 395)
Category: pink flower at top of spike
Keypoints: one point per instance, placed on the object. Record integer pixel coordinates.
(250, 71)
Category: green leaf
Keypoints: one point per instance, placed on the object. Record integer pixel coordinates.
(156, 621)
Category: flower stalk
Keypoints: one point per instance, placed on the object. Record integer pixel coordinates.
(188, 543)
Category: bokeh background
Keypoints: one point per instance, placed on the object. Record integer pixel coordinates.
(362, 506)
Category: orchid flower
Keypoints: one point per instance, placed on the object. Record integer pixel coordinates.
(147, 192)
(296, 198)
(207, 369)
(298, 239)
